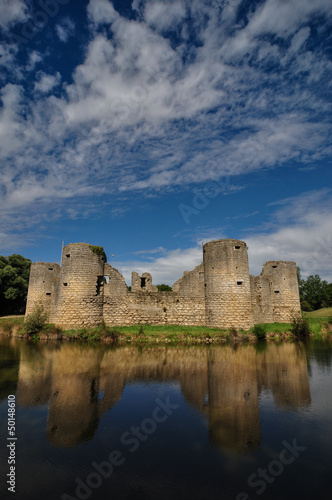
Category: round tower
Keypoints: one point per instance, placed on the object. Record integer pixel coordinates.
(227, 284)
(42, 281)
(284, 290)
(80, 296)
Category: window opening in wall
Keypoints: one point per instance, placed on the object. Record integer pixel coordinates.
(276, 291)
(67, 254)
(65, 284)
(100, 283)
(106, 279)
(50, 268)
(239, 282)
(237, 247)
(48, 293)
(274, 267)
(143, 282)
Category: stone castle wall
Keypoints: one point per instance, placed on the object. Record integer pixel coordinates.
(284, 289)
(227, 284)
(261, 299)
(80, 289)
(219, 293)
(43, 276)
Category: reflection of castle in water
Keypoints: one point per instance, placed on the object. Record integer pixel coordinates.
(224, 383)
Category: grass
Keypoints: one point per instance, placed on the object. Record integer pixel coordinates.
(326, 312)
(169, 334)
(7, 325)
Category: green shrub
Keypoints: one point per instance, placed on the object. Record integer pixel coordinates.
(140, 331)
(111, 333)
(259, 331)
(305, 306)
(35, 321)
(6, 326)
(233, 332)
(98, 250)
(300, 327)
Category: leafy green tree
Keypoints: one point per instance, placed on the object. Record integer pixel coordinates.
(14, 280)
(327, 302)
(164, 288)
(314, 292)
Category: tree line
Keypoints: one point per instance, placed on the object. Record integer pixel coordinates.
(14, 279)
(315, 293)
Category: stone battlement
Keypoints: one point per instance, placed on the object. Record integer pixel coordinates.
(220, 292)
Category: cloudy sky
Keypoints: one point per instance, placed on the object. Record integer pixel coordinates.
(151, 126)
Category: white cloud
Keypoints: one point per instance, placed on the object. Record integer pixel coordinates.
(12, 12)
(166, 269)
(302, 232)
(143, 113)
(34, 58)
(164, 16)
(8, 53)
(284, 18)
(65, 29)
(299, 39)
(102, 12)
(46, 83)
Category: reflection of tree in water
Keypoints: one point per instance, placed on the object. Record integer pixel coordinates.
(321, 352)
(223, 383)
(9, 364)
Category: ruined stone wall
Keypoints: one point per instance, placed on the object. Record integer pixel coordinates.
(146, 305)
(285, 291)
(261, 299)
(191, 284)
(142, 283)
(227, 284)
(115, 308)
(159, 308)
(80, 300)
(43, 276)
(189, 308)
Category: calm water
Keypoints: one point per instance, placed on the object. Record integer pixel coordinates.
(226, 422)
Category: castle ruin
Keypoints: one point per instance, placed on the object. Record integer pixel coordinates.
(220, 292)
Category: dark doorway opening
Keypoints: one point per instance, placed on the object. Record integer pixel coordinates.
(100, 283)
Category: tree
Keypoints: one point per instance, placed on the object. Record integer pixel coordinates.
(314, 292)
(14, 280)
(164, 288)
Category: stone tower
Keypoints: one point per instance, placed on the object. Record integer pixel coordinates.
(80, 294)
(227, 284)
(42, 285)
(284, 290)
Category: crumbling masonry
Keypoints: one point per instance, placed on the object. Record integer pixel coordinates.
(220, 292)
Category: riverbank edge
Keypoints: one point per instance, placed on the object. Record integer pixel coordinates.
(320, 328)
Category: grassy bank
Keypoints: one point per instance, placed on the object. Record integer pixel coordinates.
(326, 312)
(315, 327)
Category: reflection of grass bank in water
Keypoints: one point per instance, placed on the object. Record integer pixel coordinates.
(167, 334)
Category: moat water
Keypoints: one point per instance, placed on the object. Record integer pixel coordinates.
(229, 422)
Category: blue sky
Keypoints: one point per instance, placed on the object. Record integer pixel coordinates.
(151, 127)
